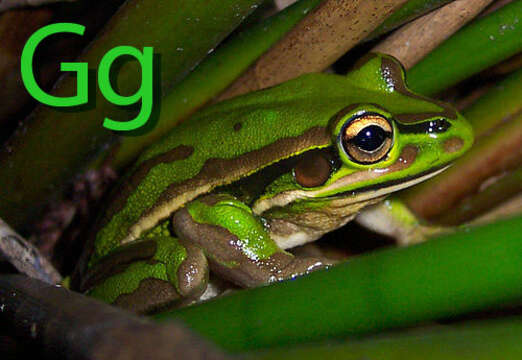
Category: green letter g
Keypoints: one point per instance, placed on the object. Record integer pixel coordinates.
(144, 93)
(80, 68)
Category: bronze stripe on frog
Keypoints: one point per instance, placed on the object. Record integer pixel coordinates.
(217, 171)
(393, 74)
(119, 198)
(436, 126)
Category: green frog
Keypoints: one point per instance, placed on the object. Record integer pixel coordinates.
(243, 180)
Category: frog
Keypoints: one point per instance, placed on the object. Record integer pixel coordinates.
(233, 188)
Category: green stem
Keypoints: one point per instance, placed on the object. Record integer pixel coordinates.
(477, 340)
(475, 47)
(501, 102)
(467, 271)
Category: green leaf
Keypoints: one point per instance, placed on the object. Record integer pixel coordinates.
(470, 270)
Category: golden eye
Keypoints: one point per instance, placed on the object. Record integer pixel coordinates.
(367, 139)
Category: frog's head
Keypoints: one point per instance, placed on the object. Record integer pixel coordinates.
(391, 140)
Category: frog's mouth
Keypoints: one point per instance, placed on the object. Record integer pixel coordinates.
(352, 196)
(384, 188)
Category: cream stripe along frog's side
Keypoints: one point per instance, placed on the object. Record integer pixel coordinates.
(249, 177)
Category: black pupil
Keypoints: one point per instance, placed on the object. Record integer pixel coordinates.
(370, 138)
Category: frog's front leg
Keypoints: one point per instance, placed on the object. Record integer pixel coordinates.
(393, 218)
(236, 242)
(153, 273)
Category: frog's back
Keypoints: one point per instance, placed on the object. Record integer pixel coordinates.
(216, 147)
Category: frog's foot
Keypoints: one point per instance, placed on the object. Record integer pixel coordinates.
(149, 275)
(236, 242)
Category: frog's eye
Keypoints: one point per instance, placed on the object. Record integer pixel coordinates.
(367, 138)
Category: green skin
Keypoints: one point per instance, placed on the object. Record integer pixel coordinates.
(224, 191)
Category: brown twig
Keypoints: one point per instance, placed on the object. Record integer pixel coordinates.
(510, 208)
(10, 4)
(415, 40)
(498, 197)
(25, 257)
(315, 43)
(495, 6)
(62, 324)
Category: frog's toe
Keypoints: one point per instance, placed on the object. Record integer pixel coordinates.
(192, 273)
(301, 266)
(150, 275)
(150, 296)
(141, 287)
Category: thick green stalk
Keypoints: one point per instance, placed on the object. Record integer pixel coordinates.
(213, 75)
(484, 340)
(53, 144)
(475, 47)
(467, 271)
